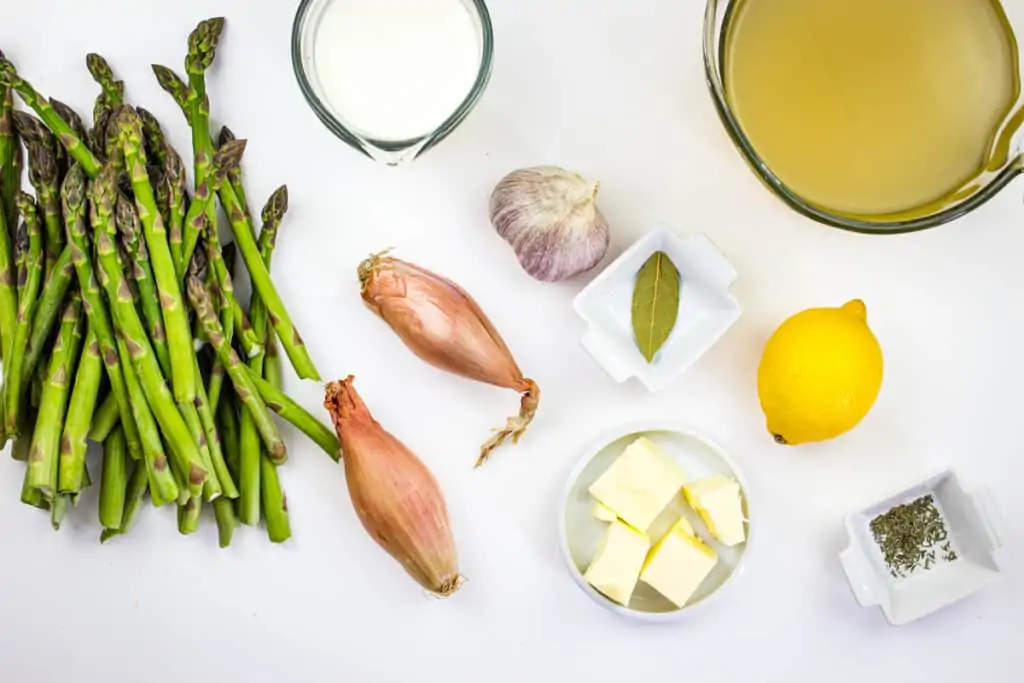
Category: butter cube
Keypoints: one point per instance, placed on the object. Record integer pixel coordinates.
(717, 500)
(678, 564)
(616, 567)
(602, 513)
(639, 484)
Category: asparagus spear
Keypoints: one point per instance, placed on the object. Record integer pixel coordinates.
(114, 482)
(10, 157)
(227, 521)
(179, 336)
(227, 322)
(44, 454)
(112, 89)
(106, 417)
(176, 88)
(51, 301)
(73, 445)
(175, 183)
(240, 321)
(153, 138)
(275, 503)
(136, 489)
(250, 455)
(286, 407)
(74, 200)
(189, 515)
(29, 280)
(264, 286)
(161, 480)
(202, 48)
(10, 182)
(45, 178)
(74, 145)
(235, 172)
(212, 489)
(145, 364)
(130, 227)
(196, 220)
(97, 138)
(244, 386)
(70, 117)
(227, 420)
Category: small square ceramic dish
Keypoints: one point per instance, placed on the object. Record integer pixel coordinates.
(972, 523)
(707, 309)
(581, 533)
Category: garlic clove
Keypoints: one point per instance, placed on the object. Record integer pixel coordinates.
(550, 218)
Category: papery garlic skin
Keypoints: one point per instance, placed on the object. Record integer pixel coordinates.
(550, 217)
(395, 496)
(439, 322)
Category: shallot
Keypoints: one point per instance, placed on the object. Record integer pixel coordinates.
(441, 324)
(394, 494)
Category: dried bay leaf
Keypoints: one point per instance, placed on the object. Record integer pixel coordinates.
(655, 304)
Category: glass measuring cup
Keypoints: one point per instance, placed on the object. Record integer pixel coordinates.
(1003, 163)
(387, 149)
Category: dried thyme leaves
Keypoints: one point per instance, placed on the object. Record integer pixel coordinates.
(912, 536)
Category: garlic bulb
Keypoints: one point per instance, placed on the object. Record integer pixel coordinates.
(550, 217)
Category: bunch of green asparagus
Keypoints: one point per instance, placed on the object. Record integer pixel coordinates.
(111, 277)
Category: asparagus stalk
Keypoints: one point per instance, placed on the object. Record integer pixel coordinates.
(296, 415)
(227, 521)
(106, 417)
(213, 441)
(112, 89)
(250, 454)
(29, 280)
(44, 454)
(73, 445)
(70, 117)
(97, 138)
(136, 489)
(196, 220)
(212, 489)
(48, 309)
(161, 480)
(227, 322)
(240, 321)
(189, 516)
(10, 158)
(175, 182)
(114, 481)
(179, 336)
(227, 420)
(176, 88)
(244, 386)
(202, 49)
(74, 201)
(275, 503)
(45, 178)
(10, 182)
(74, 145)
(264, 286)
(153, 137)
(153, 384)
(235, 172)
(130, 227)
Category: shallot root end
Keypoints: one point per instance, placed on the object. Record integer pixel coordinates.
(516, 426)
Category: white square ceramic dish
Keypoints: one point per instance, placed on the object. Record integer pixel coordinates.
(973, 525)
(707, 309)
(581, 533)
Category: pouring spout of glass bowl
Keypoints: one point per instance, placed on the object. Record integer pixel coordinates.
(392, 78)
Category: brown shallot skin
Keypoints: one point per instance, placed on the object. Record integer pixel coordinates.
(445, 327)
(395, 496)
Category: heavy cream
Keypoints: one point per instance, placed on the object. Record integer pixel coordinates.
(396, 69)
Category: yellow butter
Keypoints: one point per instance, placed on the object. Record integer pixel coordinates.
(678, 564)
(639, 484)
(717, 499)
(601, 512)
(616, 567)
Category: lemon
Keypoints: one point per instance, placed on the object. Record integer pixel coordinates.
(820, 374)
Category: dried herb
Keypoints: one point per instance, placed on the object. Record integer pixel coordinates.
(908, 535)
(655, 304)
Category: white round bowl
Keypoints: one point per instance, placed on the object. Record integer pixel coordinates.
(580, 533)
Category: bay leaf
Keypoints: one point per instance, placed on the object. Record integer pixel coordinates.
(655, 304)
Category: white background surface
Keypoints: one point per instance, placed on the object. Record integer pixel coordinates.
(614, 90)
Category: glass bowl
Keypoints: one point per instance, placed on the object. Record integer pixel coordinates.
(391, 152)
(1006, 164)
